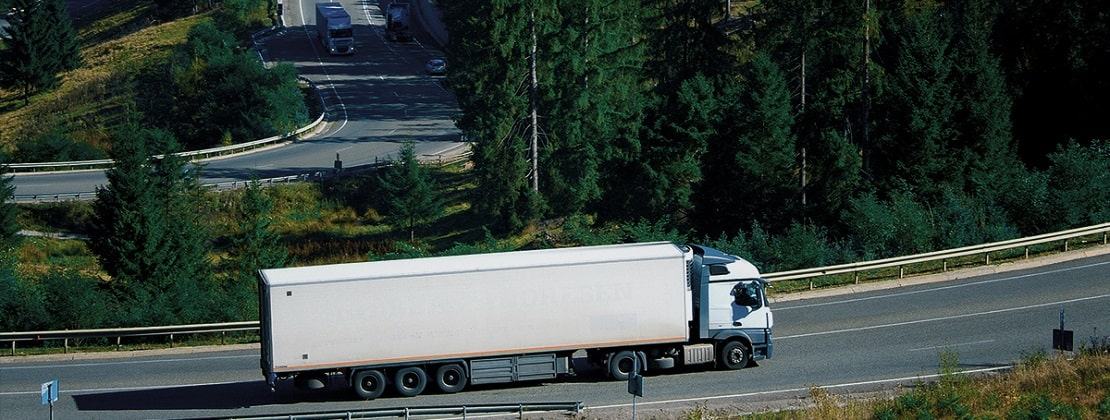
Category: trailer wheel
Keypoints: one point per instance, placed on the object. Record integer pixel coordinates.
(368, 384)
(410, 381)
(451, 378)
(621, 364)
(734, 355)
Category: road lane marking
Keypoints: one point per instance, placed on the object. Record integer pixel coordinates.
(943, 318)
(946, 346)
(955, 286)
(125, 362)
(124, 389)
(805, 390)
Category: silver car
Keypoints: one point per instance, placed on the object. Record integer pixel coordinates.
(436, 66)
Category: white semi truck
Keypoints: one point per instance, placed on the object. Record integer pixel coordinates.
(454, 321)
(398, 27)
(333, 28)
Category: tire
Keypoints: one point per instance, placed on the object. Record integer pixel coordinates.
(734, 355)
(368, 384)
(410, 381)
(621, 364)
(451, 378)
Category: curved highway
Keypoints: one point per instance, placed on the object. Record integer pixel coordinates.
(859, 342)
(376, 99)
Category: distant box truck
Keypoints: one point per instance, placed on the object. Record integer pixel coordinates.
(398, 26)
(333, 28)
(449, 322)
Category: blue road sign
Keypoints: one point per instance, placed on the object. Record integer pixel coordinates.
(49, 392)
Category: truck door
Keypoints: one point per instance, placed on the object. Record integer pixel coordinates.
(738, 304)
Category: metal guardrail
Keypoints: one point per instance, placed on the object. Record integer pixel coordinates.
(944, 256)
(119, 333)
(230, 185)
(810, 273)
(407, 412)
(192, 155)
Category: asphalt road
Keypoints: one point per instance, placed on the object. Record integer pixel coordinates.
(376, 99)
(860, 342)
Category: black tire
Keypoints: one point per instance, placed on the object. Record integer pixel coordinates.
(734, 355)
(410, 381)
(368, 384)
(451, 378)
(621, 364)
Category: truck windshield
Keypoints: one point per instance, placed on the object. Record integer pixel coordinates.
(342, 33)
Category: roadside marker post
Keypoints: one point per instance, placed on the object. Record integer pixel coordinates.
(49, 394)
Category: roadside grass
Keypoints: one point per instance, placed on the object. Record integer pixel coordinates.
(1041, 386)
(118, 44)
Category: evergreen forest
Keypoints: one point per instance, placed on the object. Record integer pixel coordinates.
(795, 133)
(879, 127)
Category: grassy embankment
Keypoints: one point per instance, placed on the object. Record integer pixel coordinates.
(1041, 386)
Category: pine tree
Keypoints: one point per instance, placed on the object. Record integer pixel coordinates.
(983, 106)
(818, 45)
(9, 225)
(147, 233)
(63, 38)
(750, 167)
(920, 110)
(42, 43)
(590, 97)
(27, 62)
(410, 192)
(491, 48)
(255, 247)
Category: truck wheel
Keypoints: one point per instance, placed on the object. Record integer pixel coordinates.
(368, 384)
(620, 365)
(451, 378)
(734, 355)
(410, 381)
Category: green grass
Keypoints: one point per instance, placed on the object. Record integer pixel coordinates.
(1039, 387)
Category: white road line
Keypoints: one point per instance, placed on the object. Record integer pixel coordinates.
(955, 286)
(943, 318)
(63, 390)
(125, 362)
(951, 345)
(797, 390)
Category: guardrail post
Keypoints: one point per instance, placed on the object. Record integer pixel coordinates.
(1027, 253)
(856, 276)
(13, 347)
(171, 340)
(944, 266)
(901, 271)
(1065, 245)
(118, 343)
(65, 345)
(988, 257)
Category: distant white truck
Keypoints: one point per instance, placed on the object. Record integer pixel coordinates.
(398, 25)
(505, 317)
(333, 28)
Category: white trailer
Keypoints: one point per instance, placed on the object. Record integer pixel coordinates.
(506, 317)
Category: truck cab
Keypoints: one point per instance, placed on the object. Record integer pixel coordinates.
(729, 302)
